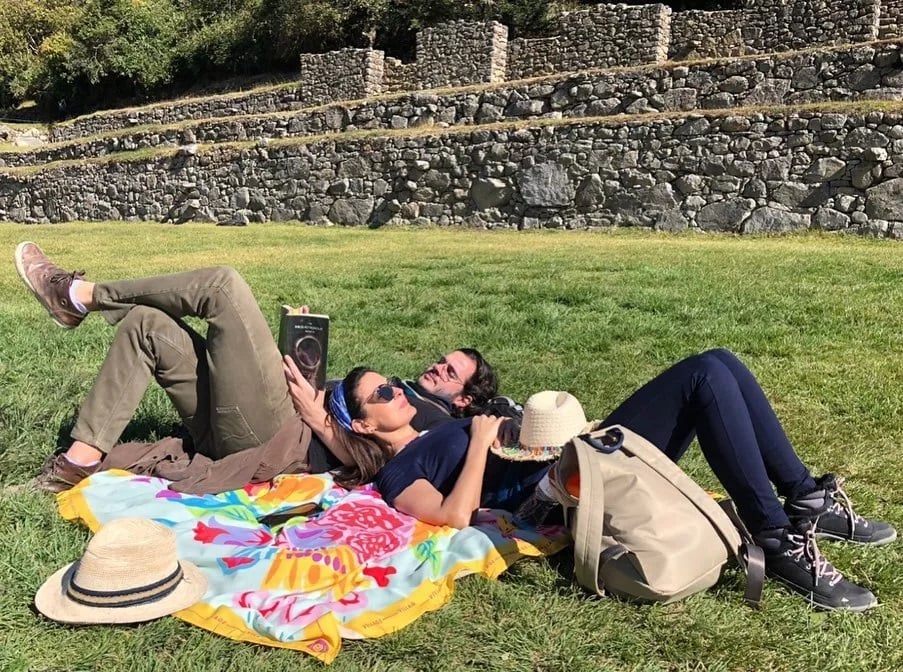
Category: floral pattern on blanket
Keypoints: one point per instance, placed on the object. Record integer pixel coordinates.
(301, 562)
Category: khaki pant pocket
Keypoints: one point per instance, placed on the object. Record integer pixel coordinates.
(231, 431)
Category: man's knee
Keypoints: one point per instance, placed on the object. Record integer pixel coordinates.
(227, 277)
(144, 320)
(229, 282)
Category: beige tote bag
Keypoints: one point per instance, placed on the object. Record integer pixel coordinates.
(644, 530)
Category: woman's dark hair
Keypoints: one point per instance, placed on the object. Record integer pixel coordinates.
(369, 456)
(482, 386)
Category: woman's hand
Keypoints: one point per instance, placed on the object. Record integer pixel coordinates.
(484, 432)
(307, 400)
(509, 433)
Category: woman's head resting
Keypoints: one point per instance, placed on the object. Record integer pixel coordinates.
(367, 404)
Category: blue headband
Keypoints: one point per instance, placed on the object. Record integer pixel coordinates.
(338, 409)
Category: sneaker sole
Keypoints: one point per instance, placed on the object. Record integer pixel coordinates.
(836, 537)
(810, 597)
(20, 269)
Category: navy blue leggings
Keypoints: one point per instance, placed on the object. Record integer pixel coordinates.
(714, 397)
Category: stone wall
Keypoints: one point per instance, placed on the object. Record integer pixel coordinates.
(347, 74)
(843, 74)
(765, 26)
(175, 112)
(697, 34)
(755, 173)
(785, 25)
(397, 76)
(459, 53)
(604, 36)
(890, 19)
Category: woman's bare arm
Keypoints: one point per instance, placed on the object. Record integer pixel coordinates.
(423, 501)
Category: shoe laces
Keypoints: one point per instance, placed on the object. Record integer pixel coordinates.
(806, 547)
(60, 275)
(843, 506)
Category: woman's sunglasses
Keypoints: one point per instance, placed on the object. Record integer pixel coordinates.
(383, 394)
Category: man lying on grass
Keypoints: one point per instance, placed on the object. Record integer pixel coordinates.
(229, 388)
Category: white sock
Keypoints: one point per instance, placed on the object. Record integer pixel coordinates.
(78, 305)
(80, 464)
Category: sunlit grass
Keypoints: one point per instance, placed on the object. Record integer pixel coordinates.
(816, 318)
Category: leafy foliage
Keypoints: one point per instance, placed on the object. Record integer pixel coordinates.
(76, 55)
(25, 26)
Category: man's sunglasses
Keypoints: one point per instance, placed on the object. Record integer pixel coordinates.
(383, 394)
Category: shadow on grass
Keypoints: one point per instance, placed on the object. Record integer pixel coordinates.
(562, 563)
(143, 428)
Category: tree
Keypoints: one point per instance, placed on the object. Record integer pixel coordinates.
(117, 49)
(24, 27)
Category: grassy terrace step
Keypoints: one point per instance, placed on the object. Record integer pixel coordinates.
(836, 167)
(156, 153)
(849, 73)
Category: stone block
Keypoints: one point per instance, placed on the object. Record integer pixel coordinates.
(885, 201)
(351, 211)
(547, 185)
(829, 219)
(772, 220)
(824, 170)
(490, 192)
(671, 220)
(726, 215)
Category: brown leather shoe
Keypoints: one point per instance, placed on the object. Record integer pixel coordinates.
(49, 283)
(59, 474)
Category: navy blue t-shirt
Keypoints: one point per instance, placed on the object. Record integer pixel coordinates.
(438, 456)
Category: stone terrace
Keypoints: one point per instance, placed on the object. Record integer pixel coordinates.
(460, 53)
(861, 72)
(761, 172)
(725, 144)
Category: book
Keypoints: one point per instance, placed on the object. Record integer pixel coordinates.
(305, 338)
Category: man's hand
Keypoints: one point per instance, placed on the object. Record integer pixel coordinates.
(307, 400)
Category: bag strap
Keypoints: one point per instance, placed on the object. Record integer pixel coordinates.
(751, 558)
(587, 528)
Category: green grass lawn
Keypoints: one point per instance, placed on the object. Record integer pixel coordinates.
(816, 318)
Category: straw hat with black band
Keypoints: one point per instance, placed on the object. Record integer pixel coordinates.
(129, 573)
(551, 419)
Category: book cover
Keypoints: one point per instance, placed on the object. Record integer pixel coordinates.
(305, 338)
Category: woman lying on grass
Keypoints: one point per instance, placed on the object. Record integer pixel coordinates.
(444, 475)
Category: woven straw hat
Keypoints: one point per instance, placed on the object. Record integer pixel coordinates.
(128, 574)
(551, 419)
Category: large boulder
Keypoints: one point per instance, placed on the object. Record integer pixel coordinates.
(724, 215)
(490, 192)
(822, 170)
(885, 201)
(546, 185)
(772, 220)
(351, 211)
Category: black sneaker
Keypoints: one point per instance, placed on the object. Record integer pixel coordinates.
(793, 558)
(830, 509)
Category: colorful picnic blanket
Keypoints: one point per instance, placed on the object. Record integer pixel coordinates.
(353, 567)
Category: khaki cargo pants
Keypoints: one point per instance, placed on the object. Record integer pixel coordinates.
(228, 388)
